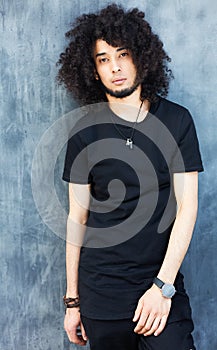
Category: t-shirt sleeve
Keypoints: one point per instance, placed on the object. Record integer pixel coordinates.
(76, 161)
(187, 157)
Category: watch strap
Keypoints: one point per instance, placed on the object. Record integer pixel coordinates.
(158, 282)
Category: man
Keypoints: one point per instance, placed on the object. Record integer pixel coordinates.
(127, 293)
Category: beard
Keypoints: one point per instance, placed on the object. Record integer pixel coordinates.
(121, 93)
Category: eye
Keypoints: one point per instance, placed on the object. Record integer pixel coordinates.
(124, 54)
(103, 60)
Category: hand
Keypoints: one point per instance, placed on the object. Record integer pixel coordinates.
(152, 312)
(71, 323)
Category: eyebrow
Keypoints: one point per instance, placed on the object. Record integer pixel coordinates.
(104, 53)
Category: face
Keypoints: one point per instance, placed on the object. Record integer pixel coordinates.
(115, 70)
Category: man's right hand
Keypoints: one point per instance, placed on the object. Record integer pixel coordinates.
(71, 323)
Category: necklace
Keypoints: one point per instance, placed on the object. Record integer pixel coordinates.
(129, 140)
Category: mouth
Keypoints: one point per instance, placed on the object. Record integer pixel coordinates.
(119, 81)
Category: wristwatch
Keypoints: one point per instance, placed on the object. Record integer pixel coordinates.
(168, 290)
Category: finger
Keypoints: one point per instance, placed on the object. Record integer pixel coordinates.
(141, 322)
(137, 312)
(78, 340)
(150, 328)
(147, 325)
(161, 325)
(74, 338)
(84, 335)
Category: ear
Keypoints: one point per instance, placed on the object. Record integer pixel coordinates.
(96, 75)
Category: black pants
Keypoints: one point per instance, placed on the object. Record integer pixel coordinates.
(119, 335)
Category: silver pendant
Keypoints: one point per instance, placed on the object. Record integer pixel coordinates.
(129, 143)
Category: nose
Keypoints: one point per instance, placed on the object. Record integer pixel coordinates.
(115, 67)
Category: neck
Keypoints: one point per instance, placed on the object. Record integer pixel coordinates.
(127, 107)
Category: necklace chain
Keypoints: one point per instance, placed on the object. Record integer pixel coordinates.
(129, 140)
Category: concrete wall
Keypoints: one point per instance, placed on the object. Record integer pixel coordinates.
(31, 255)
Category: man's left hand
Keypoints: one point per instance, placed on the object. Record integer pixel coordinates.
(152, 312)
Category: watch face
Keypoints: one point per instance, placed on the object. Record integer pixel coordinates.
(168, 290)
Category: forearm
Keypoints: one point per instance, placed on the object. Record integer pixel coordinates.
(178, 244)
(75, 234)
(72, 316)
(187, 198)
(72, 264)
(76, 227)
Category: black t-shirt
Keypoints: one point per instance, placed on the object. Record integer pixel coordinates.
(129, 226)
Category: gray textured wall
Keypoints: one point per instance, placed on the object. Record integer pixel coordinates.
(31, 255)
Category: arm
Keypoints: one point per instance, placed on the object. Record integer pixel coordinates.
(79, 196)
(153, 309)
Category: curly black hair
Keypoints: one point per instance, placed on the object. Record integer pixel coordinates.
(118, 28)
